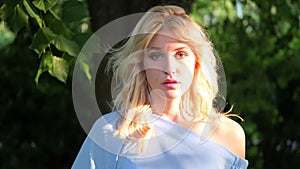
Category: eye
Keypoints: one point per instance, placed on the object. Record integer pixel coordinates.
(156, 55)
(181, 54)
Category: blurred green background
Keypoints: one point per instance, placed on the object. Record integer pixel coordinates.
(258, 42)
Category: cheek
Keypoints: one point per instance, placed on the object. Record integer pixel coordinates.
(189, 71)
(152, 77)
(190, 68)
(150, 65)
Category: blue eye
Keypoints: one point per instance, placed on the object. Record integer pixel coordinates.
(156, 55)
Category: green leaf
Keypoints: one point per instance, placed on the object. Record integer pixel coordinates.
(45, 64)
(82, 38)
(54, 14)
(282, 28)
(32, 13)
(66, 45)
(74, 11)
(18, 20)
(294, 43)
(7, 37)
(42, 40)
(86, 69)
(44, 5)
(70, 60)
(4, 12)
(59, 27)
(60, 69)
(56, 66)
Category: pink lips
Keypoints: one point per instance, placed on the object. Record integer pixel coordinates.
(170, 84)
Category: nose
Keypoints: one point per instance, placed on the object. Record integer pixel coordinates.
(170, 65)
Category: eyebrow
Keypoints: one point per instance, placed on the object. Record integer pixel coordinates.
(176, 49)
(180, 48)
(154, 48)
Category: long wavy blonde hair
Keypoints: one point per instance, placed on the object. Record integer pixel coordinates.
(131, 91)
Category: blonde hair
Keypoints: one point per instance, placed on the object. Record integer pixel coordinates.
(131, 90)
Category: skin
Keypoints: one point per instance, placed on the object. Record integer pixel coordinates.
(168, 59)
(169, 66)
(230, 135)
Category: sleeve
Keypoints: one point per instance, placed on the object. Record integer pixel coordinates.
(91, 156)
(101, 149)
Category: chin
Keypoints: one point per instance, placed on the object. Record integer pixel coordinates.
(172, 94)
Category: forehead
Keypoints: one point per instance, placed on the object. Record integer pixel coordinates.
(165, 39)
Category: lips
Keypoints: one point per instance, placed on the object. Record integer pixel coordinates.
(170, 84)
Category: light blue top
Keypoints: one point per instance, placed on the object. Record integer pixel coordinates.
(172, 147)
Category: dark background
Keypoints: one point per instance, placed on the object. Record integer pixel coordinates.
(260, 53)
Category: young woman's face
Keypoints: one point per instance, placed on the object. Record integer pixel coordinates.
(169, 65)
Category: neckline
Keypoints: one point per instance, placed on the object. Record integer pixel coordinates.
(207, 130)
(195, 137)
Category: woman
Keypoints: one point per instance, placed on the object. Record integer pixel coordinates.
(165, 86)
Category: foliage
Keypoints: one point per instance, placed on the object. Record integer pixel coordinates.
(38, 126)
(55, 25)
(259, 43)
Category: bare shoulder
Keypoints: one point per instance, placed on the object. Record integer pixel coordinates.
(231, 135)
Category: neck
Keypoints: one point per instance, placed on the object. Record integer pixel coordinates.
(167, 108)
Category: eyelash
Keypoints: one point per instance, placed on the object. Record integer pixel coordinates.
(180, 53)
